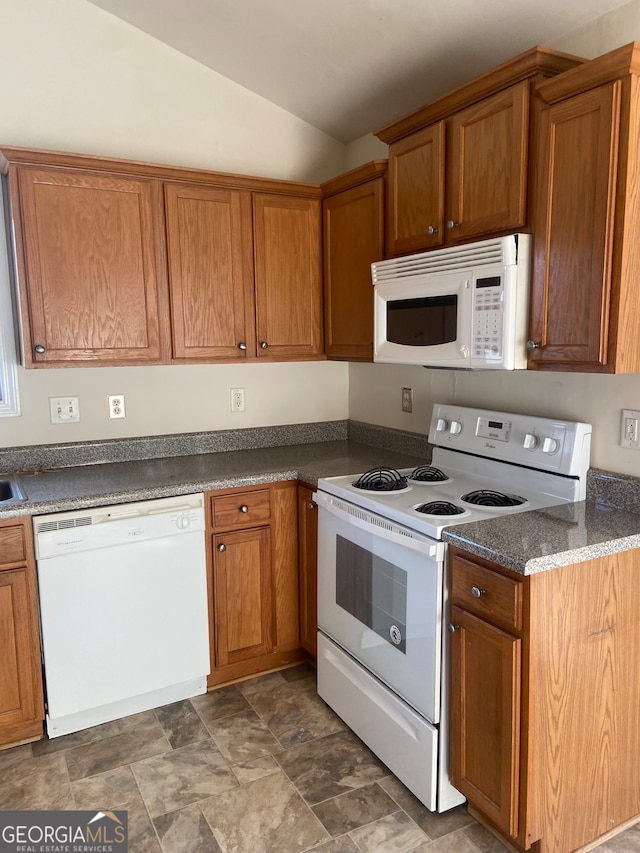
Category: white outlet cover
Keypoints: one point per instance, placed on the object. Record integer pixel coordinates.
(116, 406)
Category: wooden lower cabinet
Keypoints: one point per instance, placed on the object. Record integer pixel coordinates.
(544, 699)
(308, 548)
(21, 700)
(253, 580)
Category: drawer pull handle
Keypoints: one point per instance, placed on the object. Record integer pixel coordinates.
(451, 223)
(264, 345)
(312, 505)
(452, 627)
(39, 349)
(242, 346)
(244, 508)
(222, 547)
(432, 230)
(478, 591)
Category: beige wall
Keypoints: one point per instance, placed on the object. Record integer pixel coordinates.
(374, 390)
(78, 79)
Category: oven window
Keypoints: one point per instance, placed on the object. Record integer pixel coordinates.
(422, 322)
(372, 590)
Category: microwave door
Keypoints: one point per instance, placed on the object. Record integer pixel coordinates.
(424, 320)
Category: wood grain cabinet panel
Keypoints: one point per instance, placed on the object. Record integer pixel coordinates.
(210, 251)
(585, 313)
(353, 239)
(253, 580)
(21, 696)
(92, 271)
(308, 556)
(287, 271)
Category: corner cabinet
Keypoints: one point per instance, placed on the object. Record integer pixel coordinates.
(585, 313)
(21, 700)
(459, 167)
(121, 262)
(353, 239)
(253, 580)
(544, 689)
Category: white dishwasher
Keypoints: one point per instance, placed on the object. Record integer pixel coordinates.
(123, 608)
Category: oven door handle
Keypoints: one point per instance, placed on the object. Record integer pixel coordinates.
(380, 526)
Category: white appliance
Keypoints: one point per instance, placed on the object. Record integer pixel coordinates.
(461, 307)
(382, 574)
(123, 608)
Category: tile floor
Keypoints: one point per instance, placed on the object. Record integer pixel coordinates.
(258, 767)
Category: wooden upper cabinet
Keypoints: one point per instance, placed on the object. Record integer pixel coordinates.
(210, 251)
(416, 191)
(459, 167)
(93, 288)
(487, 162)
(353, 239)
(287, 276)
(585, 313)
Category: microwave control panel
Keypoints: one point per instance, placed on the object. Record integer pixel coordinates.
(488, 325)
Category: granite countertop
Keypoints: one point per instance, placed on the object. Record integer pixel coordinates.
(536, 541)
(528, 542)
(103, 484)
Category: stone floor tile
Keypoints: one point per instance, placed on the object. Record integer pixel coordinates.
(396, 833)
(36, 783)
(454, 842)
(185, 831)
(181, 724)
(181, 777)
(256, 768)
(263, 817)
(135, 743)
(221, 702)
(259, 683)
(433, 823)
(484, 840)
(345, 812)
(47, 745)
(297, 673)
(330, 766)
(106, 790)
(142, 835)
(294, 712)
(343, 844)
(242, 737)
(15, 754)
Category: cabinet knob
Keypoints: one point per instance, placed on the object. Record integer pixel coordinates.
(264, 345)
(452, 627)
(39, 349)
(244, 508)
(312, 505)
(222, 547)
(452, 224)
(478, 591)
(242, 345)
(432, 230)
(533, 345)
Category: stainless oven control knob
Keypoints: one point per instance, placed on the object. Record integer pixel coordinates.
(396, 635)
(478, 591)
(531, 441)
(442, 425)
(455, 428)
(452, 627)
(550, 445)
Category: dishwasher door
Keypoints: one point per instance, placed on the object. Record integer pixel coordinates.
(123, 603)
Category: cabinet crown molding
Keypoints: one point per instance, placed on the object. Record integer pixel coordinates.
(615, 65)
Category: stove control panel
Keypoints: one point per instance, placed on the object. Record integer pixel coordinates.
(544, 443)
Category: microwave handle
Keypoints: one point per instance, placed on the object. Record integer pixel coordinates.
(387, 530)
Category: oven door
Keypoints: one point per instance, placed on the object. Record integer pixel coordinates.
(380, 598)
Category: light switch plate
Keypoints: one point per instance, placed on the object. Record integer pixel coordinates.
(64, 410)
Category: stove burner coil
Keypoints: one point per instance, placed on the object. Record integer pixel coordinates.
(439, 508)
(487, 497)
(381, 480)
(427, 474)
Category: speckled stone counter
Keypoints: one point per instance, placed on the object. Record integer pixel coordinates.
(120, 482)
(530, 542)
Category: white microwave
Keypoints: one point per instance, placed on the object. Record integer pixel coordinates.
(462, 307)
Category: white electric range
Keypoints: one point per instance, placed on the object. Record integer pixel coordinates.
(382, 574)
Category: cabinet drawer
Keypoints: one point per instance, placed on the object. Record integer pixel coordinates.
(244, 509)
(12, 545)
(486, 594)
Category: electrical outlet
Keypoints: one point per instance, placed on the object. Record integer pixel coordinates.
(116, 406)
(630, 429)
(237, 399)
(64, 410)
(407, 399)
